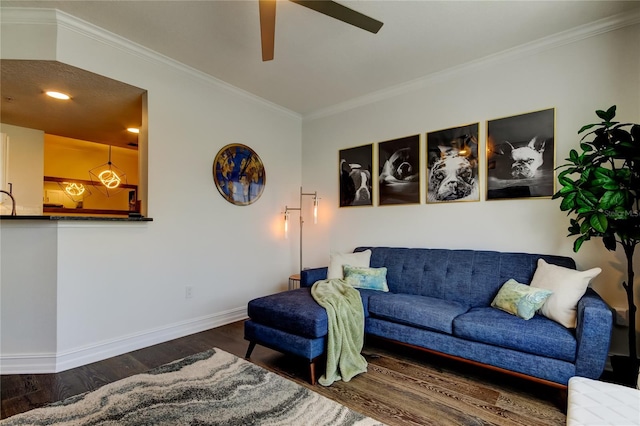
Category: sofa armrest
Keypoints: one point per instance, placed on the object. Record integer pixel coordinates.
(593, 333)
(309, 276)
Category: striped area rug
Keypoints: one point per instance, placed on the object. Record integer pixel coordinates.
(210, 388)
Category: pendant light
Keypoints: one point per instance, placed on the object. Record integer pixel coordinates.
(108, 178)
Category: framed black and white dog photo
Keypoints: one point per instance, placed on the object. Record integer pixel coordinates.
(399, 171)
(356, 171)
(521, 156)
(452, 164)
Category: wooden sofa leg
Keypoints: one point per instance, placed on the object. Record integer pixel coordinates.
(252, 345)
(312, 372)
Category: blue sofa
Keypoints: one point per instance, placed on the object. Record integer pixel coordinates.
(439, 300)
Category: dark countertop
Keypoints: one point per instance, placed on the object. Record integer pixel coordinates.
(79, 218)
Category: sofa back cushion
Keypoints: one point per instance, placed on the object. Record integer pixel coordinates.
(472, 277)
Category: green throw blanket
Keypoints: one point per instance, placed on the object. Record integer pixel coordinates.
(346, 329)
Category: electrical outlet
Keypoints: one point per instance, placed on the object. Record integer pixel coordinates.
(622, 317)
(188, 292)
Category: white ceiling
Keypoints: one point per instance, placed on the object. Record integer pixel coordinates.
(321, 62)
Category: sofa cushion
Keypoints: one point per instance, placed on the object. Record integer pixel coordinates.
(366, 278)
(419, 311)
(520, 299)
(338, 260)
(568, 286)
(538, 336)
(293, 311)
(471, 277)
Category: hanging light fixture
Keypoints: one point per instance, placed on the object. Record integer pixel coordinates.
(107, 178)
(76, 191)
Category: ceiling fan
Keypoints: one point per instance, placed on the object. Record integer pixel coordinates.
(326, 7)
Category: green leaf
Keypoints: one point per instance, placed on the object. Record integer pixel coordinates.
(587, 127)
(611, 112)
(569, 202)
(599, 222)
(573, 156)
(585, 227)
(603, 173)
(586, 147)
(610, 200)
(587, 199)
(578, 242)
(567, 189)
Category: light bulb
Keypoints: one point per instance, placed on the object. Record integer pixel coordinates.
(109, 178)
(286, 224)
(316, 201)
(74, 189)
(58, 95)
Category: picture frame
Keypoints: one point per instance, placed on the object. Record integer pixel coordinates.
(355, 168)
(399, 171)
(452, 164)
(521, 156)
(239, 174)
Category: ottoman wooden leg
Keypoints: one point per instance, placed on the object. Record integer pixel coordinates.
(250, 349)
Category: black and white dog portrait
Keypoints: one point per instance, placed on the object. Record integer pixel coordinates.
(399, 172)
(520, 156)
(453, 165)
(355, 176)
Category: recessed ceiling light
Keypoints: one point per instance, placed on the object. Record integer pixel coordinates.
(133, 130)
(58, 95)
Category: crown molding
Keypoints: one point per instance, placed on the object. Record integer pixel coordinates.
(570, 36)
(64, 20)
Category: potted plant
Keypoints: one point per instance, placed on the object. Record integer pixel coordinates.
(600, 184)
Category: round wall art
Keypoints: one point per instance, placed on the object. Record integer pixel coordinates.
(239, 174)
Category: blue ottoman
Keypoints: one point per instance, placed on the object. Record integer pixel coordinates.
(290, 322)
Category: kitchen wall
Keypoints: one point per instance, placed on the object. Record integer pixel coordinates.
(576, 73)
(122, 286)
(72, 159)
(24, 166)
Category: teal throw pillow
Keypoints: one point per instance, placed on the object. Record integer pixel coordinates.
(520, 299)
(366, 278)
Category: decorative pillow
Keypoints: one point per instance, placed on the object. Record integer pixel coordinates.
(568, 286)
(367, 278)
(337, 260)
(520, 299)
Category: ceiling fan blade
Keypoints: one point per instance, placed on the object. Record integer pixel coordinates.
(267, 28)
(342, 13)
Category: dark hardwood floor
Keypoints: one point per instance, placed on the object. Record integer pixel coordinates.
(403, 385)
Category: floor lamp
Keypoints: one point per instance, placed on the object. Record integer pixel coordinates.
(288, 209)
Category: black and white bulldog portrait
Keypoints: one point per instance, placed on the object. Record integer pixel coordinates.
(453, 170)
(401, 166)
(355, 184)
(526, 160)
(452, 177)
(399, 171)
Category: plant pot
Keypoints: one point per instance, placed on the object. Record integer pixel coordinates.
(625, 370)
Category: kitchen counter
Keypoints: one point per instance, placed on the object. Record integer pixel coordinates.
(78, 218)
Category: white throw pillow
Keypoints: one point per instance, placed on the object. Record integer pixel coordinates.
(338, 260)
(568, 286)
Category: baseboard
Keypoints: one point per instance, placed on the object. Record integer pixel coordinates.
(55, 363)
(28, 364)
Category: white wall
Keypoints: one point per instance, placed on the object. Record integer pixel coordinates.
(122, 286)
(28, 309)
(575, 78)
(25, 167)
